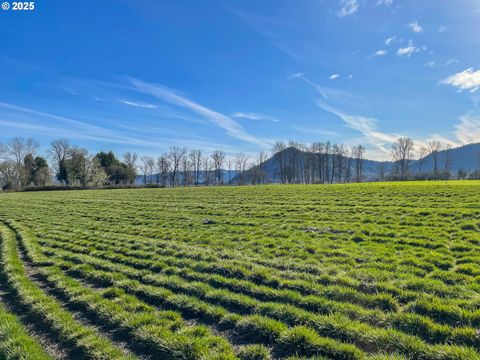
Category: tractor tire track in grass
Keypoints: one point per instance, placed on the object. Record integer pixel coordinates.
(35, 325)
(9, 307)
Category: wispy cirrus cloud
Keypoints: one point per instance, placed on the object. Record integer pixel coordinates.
(253, 116)
(348, 8)
(465, 80)
(137, 104)
(380, 142)
(408, 50)
(365, 125)
(385, 2)
(265, 26)
(232, 127)
(468, 129)
(381, 53)
(70, 127)
(415, 27)
(451, 61)
(334, 96)
(334, 76)
(430, 64)
(390, 40)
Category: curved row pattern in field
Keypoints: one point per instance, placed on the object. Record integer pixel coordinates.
(338, 272)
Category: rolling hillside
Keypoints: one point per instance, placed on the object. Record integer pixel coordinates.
(466, 158)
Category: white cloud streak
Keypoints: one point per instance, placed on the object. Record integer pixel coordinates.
(465, 80)
(451, 61)
(77, 129)
(468, 130)
(338, 97)
(267, 27)
(137, 104)
(406, 51)
(366, 126)
(348, 8)
(334, 76)
(381, 53)
(409, 50)
(254, 116)
(390, 40)
(232, 127)
(415, 27)
(385, 2)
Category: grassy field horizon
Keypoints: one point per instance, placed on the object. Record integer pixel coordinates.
(357, 271)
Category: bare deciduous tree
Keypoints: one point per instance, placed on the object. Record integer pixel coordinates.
(241, 161)
(230, 164)
(207, 165)
(435, 147)
(196, 160)
(163, 169)
(147, 165)
(358, 153)
(447, 162)
(58, 152)
(175, 155)
(218, 158)
(422, 157)
(19, 147)
(130, 159)
(262, 158)
(3, 151)
(280, 156)
(186, 166)
(402, 153)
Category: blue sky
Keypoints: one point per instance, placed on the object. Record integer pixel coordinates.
(142, 75)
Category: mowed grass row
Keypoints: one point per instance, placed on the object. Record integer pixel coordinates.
(149, 326)
(241, 265)
(386, 269)
(50, 313)
(245, 297)
(275, 333)
(463, 265)
(451, 310)
(212, 307)
(15, 342)
(432, 284)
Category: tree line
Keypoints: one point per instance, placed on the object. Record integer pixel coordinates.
(293, 163)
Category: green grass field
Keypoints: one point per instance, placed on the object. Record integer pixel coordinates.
(367, 271)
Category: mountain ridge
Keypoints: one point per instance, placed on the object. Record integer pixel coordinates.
(465, 157)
